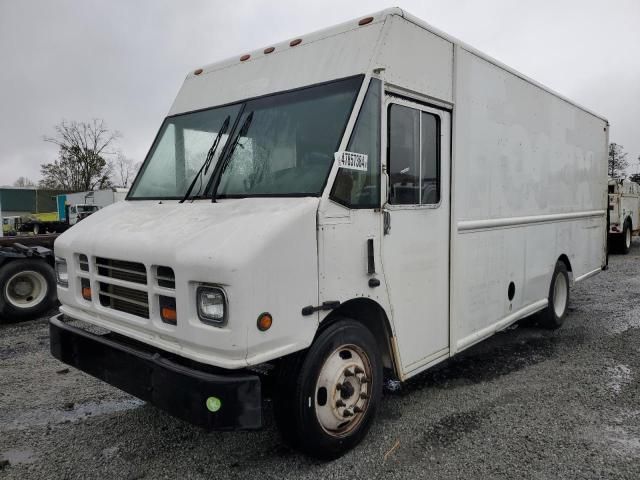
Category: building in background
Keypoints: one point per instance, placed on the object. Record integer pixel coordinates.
(19, 201)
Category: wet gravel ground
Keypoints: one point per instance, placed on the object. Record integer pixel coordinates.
(526, 403)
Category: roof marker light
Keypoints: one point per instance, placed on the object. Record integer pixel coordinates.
(245, 57)
(268, 50)
(295, 42)
(365, 21)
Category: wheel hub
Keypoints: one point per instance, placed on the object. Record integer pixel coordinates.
(560, 293)
(25, 289)
(343, 390)
(346, 390)
(22, 288)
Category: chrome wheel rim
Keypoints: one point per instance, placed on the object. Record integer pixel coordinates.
(560, 291)
(343, 390)
(25, 289)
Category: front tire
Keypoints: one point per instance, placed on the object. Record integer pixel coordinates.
(27, 289)
(326, 398)
(553, 316)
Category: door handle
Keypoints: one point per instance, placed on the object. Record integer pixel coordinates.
(386, 221)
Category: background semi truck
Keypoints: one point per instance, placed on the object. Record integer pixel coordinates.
(361, 202)
(27, 278)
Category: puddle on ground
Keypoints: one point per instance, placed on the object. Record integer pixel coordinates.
(452, 428)
(620, 323)
(44, 416)
(619, 377)
(622, 442)
(440, 436)
(17, 456)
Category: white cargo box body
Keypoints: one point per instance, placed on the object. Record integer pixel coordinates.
(523, 184)
(529, 179)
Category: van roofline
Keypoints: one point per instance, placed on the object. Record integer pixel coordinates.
(381, 16)
(420, 23)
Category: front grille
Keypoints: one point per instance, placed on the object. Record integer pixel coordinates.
(84, 263)
(166, 278)
(87, 327)
(124, 299)
(122, 270)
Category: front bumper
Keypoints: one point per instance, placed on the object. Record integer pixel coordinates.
(156, 377)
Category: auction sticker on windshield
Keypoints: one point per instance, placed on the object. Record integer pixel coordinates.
(352, 160)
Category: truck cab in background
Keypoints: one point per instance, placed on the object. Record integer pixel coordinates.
(624, 214)
(11, 225)
(79, 211)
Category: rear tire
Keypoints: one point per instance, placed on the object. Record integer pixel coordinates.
(27, 289)
(553, 316)
(625, 239)
(326, 398)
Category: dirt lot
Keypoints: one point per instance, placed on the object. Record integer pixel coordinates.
(527, 403)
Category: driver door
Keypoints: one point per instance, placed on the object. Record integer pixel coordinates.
(415, 246)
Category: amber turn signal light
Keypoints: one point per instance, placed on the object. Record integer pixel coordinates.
(169, 314)
(85, 289)
(264, 321)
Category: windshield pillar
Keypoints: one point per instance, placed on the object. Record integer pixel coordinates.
(180, 160)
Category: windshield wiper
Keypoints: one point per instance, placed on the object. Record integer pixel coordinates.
(210, 155)
(229, 153)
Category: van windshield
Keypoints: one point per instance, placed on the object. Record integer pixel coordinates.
(286, 147)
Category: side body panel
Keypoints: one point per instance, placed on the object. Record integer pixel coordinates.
(529, 186)
(415, 60)
(343, 233)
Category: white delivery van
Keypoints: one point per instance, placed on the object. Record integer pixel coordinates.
(624, 213)
(359, 202)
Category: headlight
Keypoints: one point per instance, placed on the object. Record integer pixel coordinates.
(211, 305)
(62, 274)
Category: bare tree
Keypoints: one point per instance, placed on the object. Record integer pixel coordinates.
(124, 170)
(83, 156)
(617, 160)
(24, 182)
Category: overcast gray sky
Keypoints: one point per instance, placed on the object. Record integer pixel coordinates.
(124, 61)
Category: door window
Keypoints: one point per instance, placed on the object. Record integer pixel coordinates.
(414, 160)
(361, 189)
